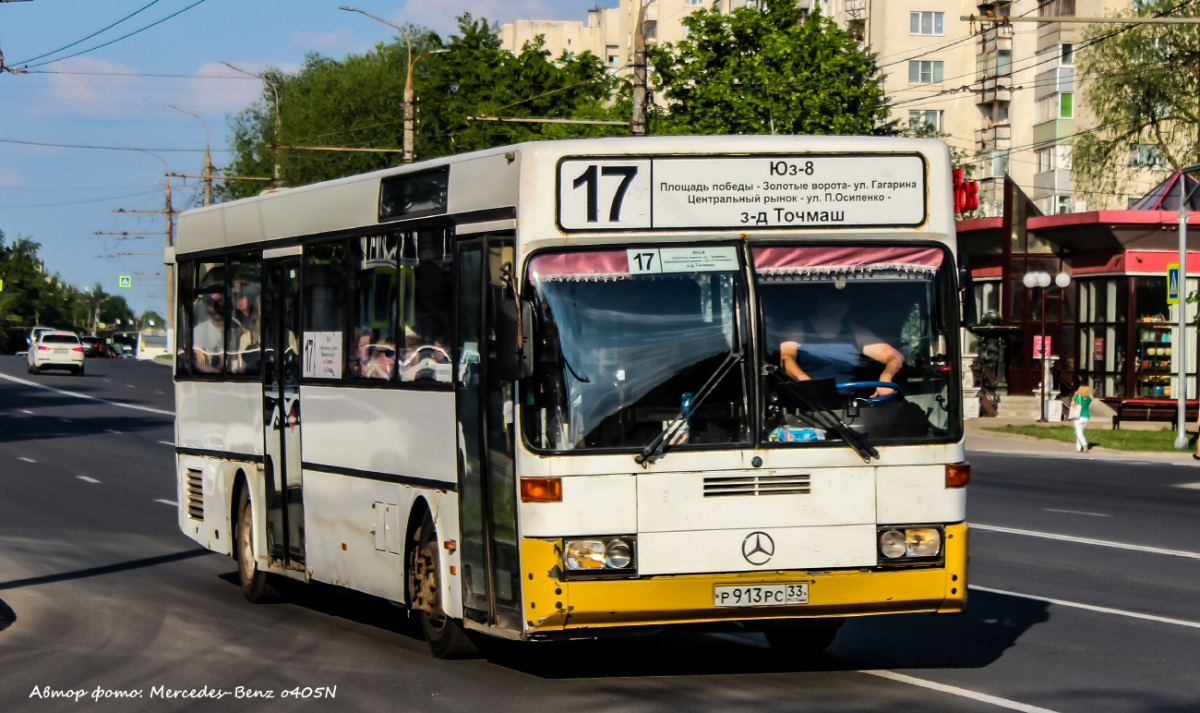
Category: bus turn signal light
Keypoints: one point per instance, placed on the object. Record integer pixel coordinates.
(958, 474)
(541, 490)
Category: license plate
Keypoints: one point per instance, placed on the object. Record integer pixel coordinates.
(60, 351)
(761, 595)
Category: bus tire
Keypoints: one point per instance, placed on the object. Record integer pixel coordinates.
(256, 584)
(804, 639)
(445, 635)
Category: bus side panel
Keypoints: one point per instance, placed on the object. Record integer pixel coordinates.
(220, 416)
(356, 535)
(354, 532)
(203, 497)
(398, 434)
(395, 444)
(221, 447)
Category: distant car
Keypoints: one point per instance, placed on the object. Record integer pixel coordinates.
(33, 335)
(93, 346)
(56, 350)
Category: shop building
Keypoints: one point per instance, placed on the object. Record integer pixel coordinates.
(1112, 326)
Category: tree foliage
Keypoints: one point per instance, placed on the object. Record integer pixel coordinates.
(31, 297)
(358, 102)
(769, 70)
(1143, 85)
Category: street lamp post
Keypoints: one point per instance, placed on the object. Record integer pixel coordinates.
(278, 120)
(208, 166)
(410, 118)
(1180, 347)
(1043, 280)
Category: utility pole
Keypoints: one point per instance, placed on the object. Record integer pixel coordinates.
(168, 253)
(638, 120)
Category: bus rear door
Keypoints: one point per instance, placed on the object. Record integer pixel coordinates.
(281, 411)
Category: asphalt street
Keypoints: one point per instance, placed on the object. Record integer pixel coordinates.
(1084, 577)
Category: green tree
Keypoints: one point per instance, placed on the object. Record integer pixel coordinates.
(31, 297)
(769, 70)
(358, 102)
(1143, 85)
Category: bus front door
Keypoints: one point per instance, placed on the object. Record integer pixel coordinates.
(281, 411)
(491, 567)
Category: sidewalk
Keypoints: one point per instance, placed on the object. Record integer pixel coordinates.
(981, 440)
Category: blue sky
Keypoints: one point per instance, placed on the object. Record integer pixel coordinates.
(71, 127)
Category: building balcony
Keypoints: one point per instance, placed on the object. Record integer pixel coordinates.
(994, 138)
(1049, 183)
(995, 38)
(994, 89)
(1060, 80)
(995, 8)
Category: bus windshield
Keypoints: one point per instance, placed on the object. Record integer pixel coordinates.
(856, 337)
(856, 348)
(621, 354)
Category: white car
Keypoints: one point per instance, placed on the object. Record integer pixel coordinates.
(56, 350)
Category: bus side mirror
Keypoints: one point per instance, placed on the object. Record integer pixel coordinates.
(966, 291)
(514, 340)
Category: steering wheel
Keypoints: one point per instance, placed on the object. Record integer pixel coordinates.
(849, 385)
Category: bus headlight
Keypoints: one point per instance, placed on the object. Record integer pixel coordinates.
(905, 545)
(601, 555)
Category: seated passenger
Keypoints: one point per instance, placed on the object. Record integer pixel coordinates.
(382, 361)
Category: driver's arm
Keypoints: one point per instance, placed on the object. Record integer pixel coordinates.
(790, 356)
(892, 360)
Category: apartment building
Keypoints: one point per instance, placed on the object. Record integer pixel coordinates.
(1005, 96)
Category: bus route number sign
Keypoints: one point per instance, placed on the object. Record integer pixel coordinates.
(741, 192)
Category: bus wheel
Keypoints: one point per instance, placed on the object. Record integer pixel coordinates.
(804, 639)
(255, 583)
(445, 636)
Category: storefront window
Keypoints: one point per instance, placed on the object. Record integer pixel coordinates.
(1102, 334)
(1156, 338)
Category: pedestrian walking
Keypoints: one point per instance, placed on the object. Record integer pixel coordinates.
(1081, 411)
(1196, 455)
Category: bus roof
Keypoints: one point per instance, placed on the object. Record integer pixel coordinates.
(489, 185)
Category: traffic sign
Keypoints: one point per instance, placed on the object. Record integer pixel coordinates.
(125, 281)
(1172, 283)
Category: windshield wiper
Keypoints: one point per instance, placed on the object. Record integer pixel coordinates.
(825, 418)
(656, 448)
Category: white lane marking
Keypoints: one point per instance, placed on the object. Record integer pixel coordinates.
(962, 692)
(131, 386)
(1078, 512)
(66, 420)
(36, 385)
(1092, 607)
(1192, 486)
(1088, 541)
(111, 430)
(24, 410)
(86, 479)
(27, 460)
(167, 443)
(172, 503)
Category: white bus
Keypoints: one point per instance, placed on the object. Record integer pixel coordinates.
(585, 388)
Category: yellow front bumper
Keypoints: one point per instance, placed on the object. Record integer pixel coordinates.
(554, 604)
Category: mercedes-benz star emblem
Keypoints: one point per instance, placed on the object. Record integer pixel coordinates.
(758, 548)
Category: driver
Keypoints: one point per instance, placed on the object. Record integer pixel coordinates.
(832, 348)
